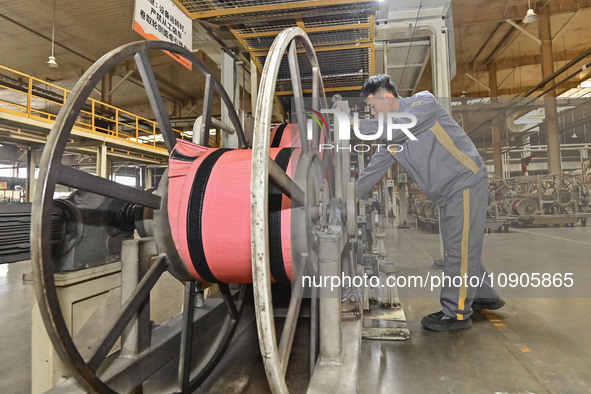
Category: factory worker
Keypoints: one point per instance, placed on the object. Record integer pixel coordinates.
(444, 162)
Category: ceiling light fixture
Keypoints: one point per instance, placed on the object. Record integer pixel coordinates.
(51, 62)
(530, 16)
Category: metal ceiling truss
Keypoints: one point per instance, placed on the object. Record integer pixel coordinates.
(342, 33)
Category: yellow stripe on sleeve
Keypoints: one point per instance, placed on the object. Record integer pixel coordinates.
(448, 143)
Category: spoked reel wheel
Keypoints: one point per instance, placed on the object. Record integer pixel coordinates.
(304, 192)
(566, 190)
(85, 364)
(499, 194)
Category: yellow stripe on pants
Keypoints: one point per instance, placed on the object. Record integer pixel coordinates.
(464, 264)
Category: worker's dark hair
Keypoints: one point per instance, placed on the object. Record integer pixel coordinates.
(378, 84)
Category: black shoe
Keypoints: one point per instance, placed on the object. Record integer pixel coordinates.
(492, 304)
(438, 321)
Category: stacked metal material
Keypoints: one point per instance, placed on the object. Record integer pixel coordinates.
(15, 229)
(15, 224)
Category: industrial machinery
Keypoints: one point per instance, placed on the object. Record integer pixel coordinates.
(499, 205)
(232, 217)
(15, 219)
(427, 214)
(554, 199)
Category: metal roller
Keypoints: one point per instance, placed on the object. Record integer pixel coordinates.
(525, 206)
(419, 207)
(432, 211)
(562, 197)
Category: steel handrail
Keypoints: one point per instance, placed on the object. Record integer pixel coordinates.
(113, 121)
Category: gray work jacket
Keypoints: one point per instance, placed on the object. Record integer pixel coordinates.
(442, 161)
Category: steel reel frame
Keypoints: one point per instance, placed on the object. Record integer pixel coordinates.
(276, 356)
(84, 369)
(498, 187)
(565, 183)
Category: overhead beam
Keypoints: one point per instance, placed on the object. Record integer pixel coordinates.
(493, 12)
(514, 91)
(521, 29)
(406, 44)
(488, 41)
(501, 46)
(478, 82)
(268, 8)
(402, 66)
(511, 63)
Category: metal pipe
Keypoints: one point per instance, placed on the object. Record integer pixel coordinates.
(224, 126)
(184, 368)
(284, 183)
(561, 70)
(121, 81)
(291, 320)
(313, 328)
(298, 96)
(566, 23)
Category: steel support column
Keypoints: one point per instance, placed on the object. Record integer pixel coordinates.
(254, 85)
(103, 164)
(30, 185)
(497, 130)
(230, 83)
(440, 65)
(553, 131)
(385, 49)
(106, 89)
(149, 176)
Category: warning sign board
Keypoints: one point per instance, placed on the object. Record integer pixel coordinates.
(164, 20)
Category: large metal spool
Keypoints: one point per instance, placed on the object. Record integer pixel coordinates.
(564, 193)
(525, 206)
(298, 186)
(499, 196)
(426, 209)
(276, 350)
(419, 207)
(562, 197)
(213, 194)
(85, 363)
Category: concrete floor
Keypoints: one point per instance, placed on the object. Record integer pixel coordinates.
(532, 345)
(15, 329)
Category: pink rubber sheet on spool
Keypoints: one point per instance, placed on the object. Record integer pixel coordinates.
(210, 214)
(288, 135)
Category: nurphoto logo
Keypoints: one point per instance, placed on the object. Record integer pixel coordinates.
(392, 121)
